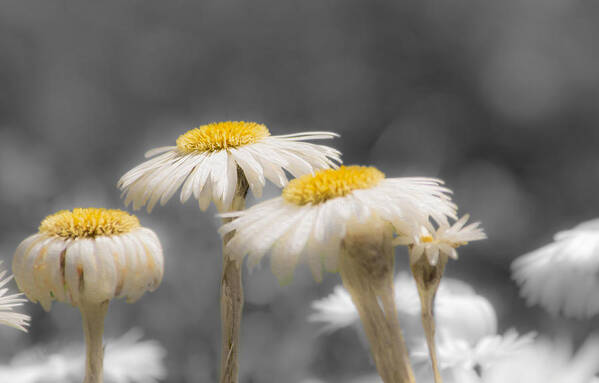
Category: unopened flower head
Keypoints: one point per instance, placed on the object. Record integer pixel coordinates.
(88, 254)
(207, 162)
(562, 276)
(431, 242)
(7, 316)
(311, 217)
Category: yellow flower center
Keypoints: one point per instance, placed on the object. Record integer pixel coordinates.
(220, 136)
(426, 239)
(88, 223)
(331, 183)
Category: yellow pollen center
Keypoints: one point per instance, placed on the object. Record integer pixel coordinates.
(331, 183)
(88, 223)
(220, 136)
(426, 239)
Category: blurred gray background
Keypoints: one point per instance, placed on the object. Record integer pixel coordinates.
(498, 98)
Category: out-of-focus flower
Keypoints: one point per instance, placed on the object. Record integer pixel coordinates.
(128, 360)
(546, 361)
(467, 329)
(562, 276)
(441, 241)
(90, 255)
(206, 161)
(462, 314)
(87, 257)
(7, 316)
(311, 218)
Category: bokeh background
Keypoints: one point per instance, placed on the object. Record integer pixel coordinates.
(498, 98)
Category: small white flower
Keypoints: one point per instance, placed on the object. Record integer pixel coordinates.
(425, 240)
(128, 360)
(310, 219)
(206, 162)
(88, 254)
(7, 316)
(562, 276)
(546, 361)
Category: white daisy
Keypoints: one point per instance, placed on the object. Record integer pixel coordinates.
(87, 257)
(128, 360)
(7, 316)
(310, 220)
(444, 240)
(562, 276)
(90, 255)
(546, 361)
(208, 160)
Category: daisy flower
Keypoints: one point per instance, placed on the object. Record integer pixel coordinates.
(219, 162)
(440, 242)
(437, 245)
(209, 161)
(7, 302)
(343, 219)
(562, 276)
(86, 257)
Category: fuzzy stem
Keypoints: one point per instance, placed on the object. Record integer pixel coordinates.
(427, 279)
(231, 297)
(93, 315)
(366, 267)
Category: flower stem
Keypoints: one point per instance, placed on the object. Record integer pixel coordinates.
(427, 279)
(231, 297)
(366, 268)
(93, 315)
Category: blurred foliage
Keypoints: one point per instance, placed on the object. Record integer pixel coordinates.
(497, 98)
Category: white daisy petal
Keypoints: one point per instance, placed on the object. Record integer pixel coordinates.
(208, 158)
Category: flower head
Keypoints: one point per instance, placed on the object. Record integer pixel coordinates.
(7, 302)
(311, 217)
(207, 162)
(90, 254)
(425, 240)
(562, 276)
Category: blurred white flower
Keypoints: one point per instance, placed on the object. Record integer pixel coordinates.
(562, 276)
(466, 333)
(206, 162)
(7, 316)
(444, 240)
(128, 360)
(460, 312)
(546, 361)
(310, 220)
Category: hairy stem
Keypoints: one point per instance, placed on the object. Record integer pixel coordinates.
(366, 267)
(427, 279)
(93, 315)
(231, 297)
